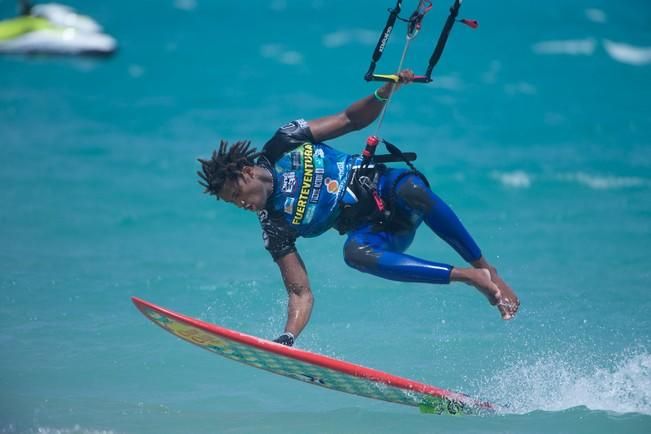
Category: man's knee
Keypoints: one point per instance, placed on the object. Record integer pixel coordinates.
(360, 256)
(416, 194)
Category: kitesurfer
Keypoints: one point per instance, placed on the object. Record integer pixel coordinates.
(300, 186)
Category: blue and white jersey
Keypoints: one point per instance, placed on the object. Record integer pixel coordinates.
(308, 183)
(309, 180)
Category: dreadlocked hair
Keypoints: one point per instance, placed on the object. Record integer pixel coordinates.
(225, 163)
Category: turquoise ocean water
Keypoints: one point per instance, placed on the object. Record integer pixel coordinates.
(536, 131)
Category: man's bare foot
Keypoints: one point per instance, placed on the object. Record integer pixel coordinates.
(508, 303)
(480, 278)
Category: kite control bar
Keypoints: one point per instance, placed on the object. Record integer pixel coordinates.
(414, 24)
(413, 27)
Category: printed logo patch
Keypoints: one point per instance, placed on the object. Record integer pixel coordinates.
(332, 185)
(308, 175)
(288, 125)
(263, 215)
(319, 159)
(296, 160)
(318, 183)
(289, 182)
(309, 213)
(340, 168)
(289, 205)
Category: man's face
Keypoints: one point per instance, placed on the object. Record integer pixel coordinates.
(246, 192)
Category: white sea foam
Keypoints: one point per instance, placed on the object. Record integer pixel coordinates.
(447, 82)
(74, 430)
(628, 54)
(185, 5)
(554, 384)
(136, 71)
(596, 15)
(520, 88)
(522, 179)
(278, 5)
(490, 75)
(347, 37)
(601, 182)
(553, 119)
(573, 47)
(516, 179)
(281, 54)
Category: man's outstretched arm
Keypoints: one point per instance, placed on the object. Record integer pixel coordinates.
(358, 115)
(300, 301)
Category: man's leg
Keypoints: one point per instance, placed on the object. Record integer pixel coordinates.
(376, 253)
(380, 254)
(413, 195)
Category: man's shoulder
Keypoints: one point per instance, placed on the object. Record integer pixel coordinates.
(286, 138)
(297, 126)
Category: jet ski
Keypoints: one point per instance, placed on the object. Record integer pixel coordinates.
(54, 29)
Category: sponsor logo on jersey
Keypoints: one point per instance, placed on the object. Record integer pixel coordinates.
(308, 175)
(263, 216)
(288, 125)
(289, 182)
(332, 185)
(289, 205)
(318, 183)
(296, 160)
(309, 213)
(340, 167)
(319, 158)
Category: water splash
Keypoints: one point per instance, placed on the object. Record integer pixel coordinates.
(553, 384)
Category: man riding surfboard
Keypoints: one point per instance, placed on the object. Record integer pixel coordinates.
(301, 187)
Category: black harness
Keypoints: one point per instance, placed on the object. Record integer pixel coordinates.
(363, 184)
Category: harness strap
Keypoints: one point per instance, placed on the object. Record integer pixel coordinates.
(391, 158)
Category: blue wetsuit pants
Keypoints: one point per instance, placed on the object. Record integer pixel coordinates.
(379, 249)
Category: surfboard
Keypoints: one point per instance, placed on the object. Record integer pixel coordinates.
(310, 367)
